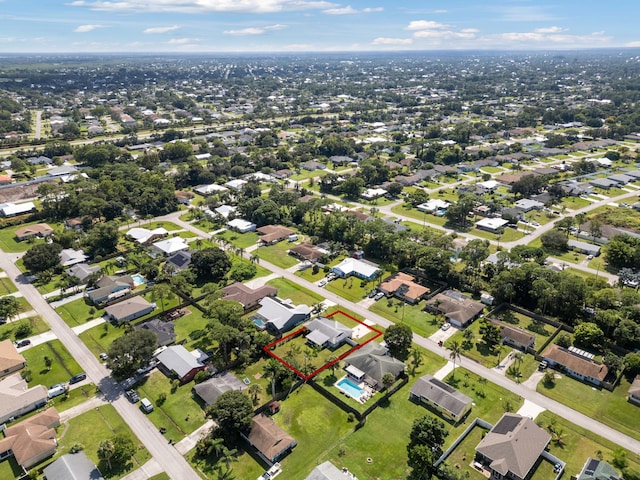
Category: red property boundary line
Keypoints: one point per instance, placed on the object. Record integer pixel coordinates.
(267, 348)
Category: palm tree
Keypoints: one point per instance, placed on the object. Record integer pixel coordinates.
(106, 450)
(254, 390)
(454, 354)
(271, 370)
(557, 437)
(416, 359)
(228, 455)
(161, 292)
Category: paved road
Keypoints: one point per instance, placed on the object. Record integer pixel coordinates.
(611, 278)
(166, 455)
(499, 379)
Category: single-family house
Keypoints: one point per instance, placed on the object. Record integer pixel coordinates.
(109, 288)
(40, 230)
(491, 224)
(237, 184)
(312, 165)
(359, 268)
(206, 190)
(341, 160)
(10, 359)
(634, 391)
(372, 193)
(404, 286)
(373, 361)
(14, 209)
(280, 316)
(270, 441)
(327, 333)
(209, 390)
(621, 178)
(144, 236)
(62, 171)
(176, 361)
(512, 447)
(31, 440)
(129, 309)
(225, 210)
(443, 398)
(307, 252)
(170, 246)
(605, 183)
(179, 261)
(584, 247)
(183, 197)
(72, 466)
(328, 471)
(165, 331)
(248, 297)
(526, 205)
(5, 179)
(487, 186)
(71, 256)
(514, 336)
(270, 234)
(576, 363)
(75, 224)
(458, 309)
(41, 160)
(433, 205)
(82, 271)
(241, 226)
(17, 399)
(594, 469)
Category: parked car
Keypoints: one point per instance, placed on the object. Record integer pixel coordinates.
(56, 390)
(23, 343)
(542, 365)
(146, 369)
(322, 282)
(146, 405)
(445, 326)
(128, 383)
(104, 356)
(378, 296)
(372, 293)
(132, 395)
(77, 378)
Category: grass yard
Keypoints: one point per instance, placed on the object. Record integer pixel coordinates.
(462, 457)
(297, 294)
(277, 254)
(78, 312)
(169, 226)
(240, 240)
(574, 203)
(99, 338)
(421, 322)
(509, 234)
(38, 326)
(62, 369)
(10, 244)
(351, 288)
(9, 468)
(477, 349)
(610, 408)
(541, 330)
(189, 327)
(418, 215)
(180, 414)
(7, 286)
(490, 169)
(578, 444)
(76, 397)
(91, 428)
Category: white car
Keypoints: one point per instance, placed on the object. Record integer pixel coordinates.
(446, 326)
(322, 282)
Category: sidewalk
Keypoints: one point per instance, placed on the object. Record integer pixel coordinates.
(185, 445)
(84, 407)
(86, 326)
(148, 470)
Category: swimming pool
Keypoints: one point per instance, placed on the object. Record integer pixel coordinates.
(353, 390)
(138, 279)
(259, 323)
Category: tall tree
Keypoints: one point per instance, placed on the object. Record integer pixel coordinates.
(454, 354)
(398, 338)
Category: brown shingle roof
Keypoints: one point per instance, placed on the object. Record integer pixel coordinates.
(274, 233)
(32, 439)
(240, 293)
(10, 358)
(517, 335)
(306, 251)
(40, 229)
(403, 281)
(269, 438)
(576, 363)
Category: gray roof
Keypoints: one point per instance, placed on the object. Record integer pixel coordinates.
(587, 247)
(327, 471)
(598, 470)
(443, 395)
(82, 271)
(621, 178)
(324, 329)
(373, 360)
(130, 306)
(211, 389)
(178, 359)
(513, 445)
(73, 466)
(603, 182)
(280, 314)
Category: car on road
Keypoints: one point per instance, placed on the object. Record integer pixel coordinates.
(77, 378)
(23, 343)
(132, 395)
(445, 326)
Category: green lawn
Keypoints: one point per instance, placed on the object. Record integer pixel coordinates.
(9, 243)
(99, 338)
(169, 226)
(190, 326)
(351, 288)
(7, 286)
(610, 408)
(63, 367)
(9, 468)
(509, 234)
(418, 215)
(38, 326)
(78, 312)
(76, 397)
(90, 428)
(490, 169)
(240, 240)
(277, 254)
(578, 444)
(179, 414)
(478, 349)
(297, 294)
(574, 203)
(421, 322)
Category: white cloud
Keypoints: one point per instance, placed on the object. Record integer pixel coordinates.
(200, 6)
(633, 44)
(349, 10)
(555, 40)
(524, 13)
(444, 34)
(88, 28)
(255, 30)
(425, 25)
(549, 30)
(181, 41)
(392, 41)
(161, 29)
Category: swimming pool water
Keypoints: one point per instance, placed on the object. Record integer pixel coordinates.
(138, 279)
(351, 388)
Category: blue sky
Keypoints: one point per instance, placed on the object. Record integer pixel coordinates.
(313, 25)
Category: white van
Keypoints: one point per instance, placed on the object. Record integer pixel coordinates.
(56, 390)
(146, 405)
